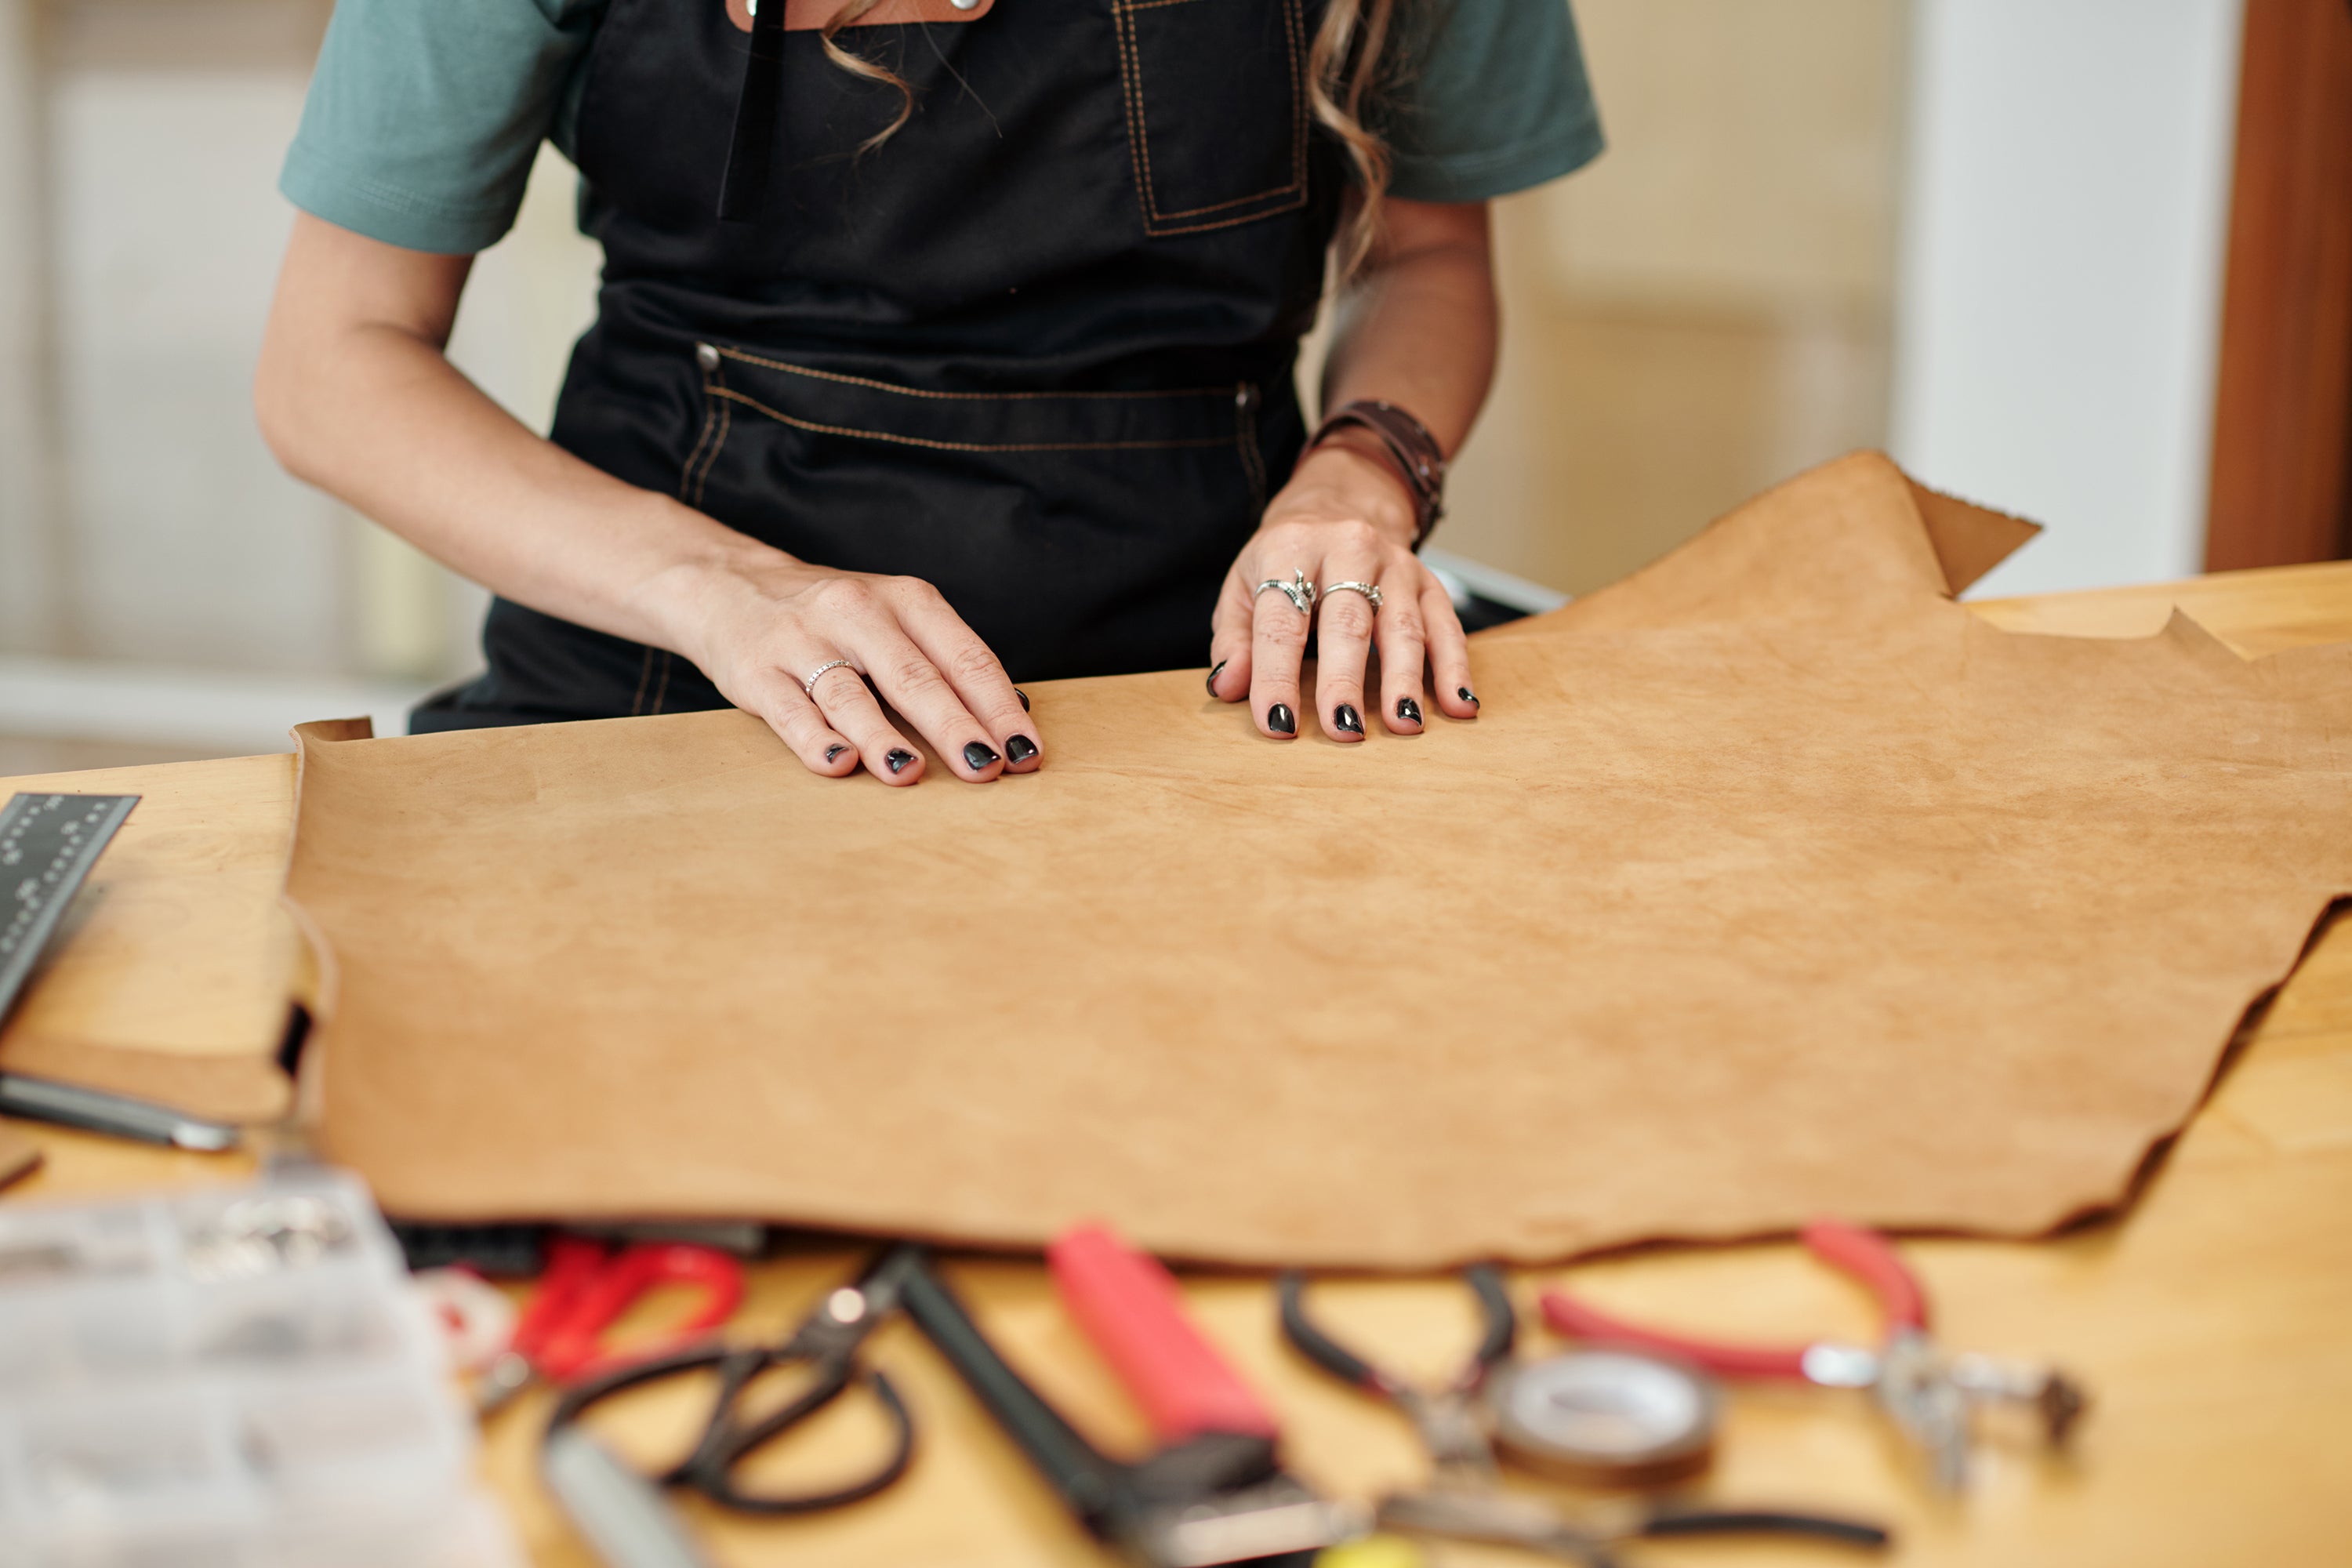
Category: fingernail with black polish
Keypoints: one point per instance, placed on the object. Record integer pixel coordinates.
(1024, 699)
(1216, 672)
(1408, 710)
(977, 756)
(1021, 747)
(1281, 719)
(1349, 720)
(897, 760)
(1464, 692)
(832, 754)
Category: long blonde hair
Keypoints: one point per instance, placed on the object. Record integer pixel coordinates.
(1343, 69)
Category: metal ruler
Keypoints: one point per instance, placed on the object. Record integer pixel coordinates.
(47, 845)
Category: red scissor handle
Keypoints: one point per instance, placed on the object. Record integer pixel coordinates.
(584, 1291)
(1567, 1315)
(1130, 1307)
(1864, 1253)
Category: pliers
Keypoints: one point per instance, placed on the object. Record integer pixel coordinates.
(1927, 1393)
(1467, 1501)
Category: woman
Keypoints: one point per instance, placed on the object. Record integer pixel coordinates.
(941, 343)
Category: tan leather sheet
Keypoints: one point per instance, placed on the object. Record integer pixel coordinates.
(1771, 882)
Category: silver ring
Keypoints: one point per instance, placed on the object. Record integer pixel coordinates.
(808, 687)
(1368, 590)
(1298, 590)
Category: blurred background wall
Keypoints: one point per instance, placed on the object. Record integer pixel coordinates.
(1985, 233)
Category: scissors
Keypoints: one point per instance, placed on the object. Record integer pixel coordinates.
(1465, 1499)
(586, 1288)
(1927, 1392)
(827, 1342)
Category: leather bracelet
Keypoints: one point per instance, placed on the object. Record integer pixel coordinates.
(1420, 460)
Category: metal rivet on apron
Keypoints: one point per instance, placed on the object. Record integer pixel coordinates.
(965, 5)
(706, 356)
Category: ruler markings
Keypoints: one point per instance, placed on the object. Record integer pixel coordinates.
(47, 845)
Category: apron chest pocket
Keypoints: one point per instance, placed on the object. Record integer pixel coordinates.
(1216, 110)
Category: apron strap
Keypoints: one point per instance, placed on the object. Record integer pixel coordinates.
(746, 181)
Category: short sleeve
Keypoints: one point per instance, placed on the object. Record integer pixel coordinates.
(424, 115)
(1490, 96)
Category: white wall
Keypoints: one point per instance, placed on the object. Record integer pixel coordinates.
(2059, 297)
(190, 545)
(28, 539)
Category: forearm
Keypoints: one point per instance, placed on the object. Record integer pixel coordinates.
(1417, 329)
(370, 411)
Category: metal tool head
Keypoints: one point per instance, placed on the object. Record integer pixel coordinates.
(847, 1315)
(2056, 1401)
(1490, 1514)
(1276, 1519)
(1916, 1388)
(1453, 1427)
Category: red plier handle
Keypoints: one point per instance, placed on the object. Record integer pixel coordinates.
(586, 1290)
(1864, 1253)
(1131, 1307)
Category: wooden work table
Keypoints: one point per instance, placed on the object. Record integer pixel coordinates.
(2212, 1319)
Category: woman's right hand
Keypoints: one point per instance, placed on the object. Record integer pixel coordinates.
(761, 622)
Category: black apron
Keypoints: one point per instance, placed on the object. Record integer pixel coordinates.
(1036, 349)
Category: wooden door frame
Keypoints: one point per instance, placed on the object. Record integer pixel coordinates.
(2282, 466)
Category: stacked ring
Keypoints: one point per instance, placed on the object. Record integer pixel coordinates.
(808, 687)
(1298, 590)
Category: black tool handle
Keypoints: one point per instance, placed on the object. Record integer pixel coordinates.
(1767, 1522)
(1501, 1330)
(1311, 1341)
(1498, 1332)
(1088, 1483)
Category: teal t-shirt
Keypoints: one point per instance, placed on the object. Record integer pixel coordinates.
(425, 115)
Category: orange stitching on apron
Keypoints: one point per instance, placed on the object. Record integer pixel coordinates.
(1130, 82)
(782, 418)
(714, 387)
(711, 461)
(958, 397)
(711, 409)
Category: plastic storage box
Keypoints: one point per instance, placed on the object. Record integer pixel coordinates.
(232, 1378)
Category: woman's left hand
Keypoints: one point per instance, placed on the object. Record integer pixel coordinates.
(1344, 517)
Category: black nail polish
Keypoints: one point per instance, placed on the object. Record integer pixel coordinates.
(1409, 711)
(897, 760)
(833, 752)
(1024, 699)
(1216, 672)
(1021, 747)
(1281, 721)
(1346, 718)
(1464, 692)
(977, 756)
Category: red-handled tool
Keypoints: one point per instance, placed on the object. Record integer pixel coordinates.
(1129, 1305)
(1927, 1392)
(586, 1290)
